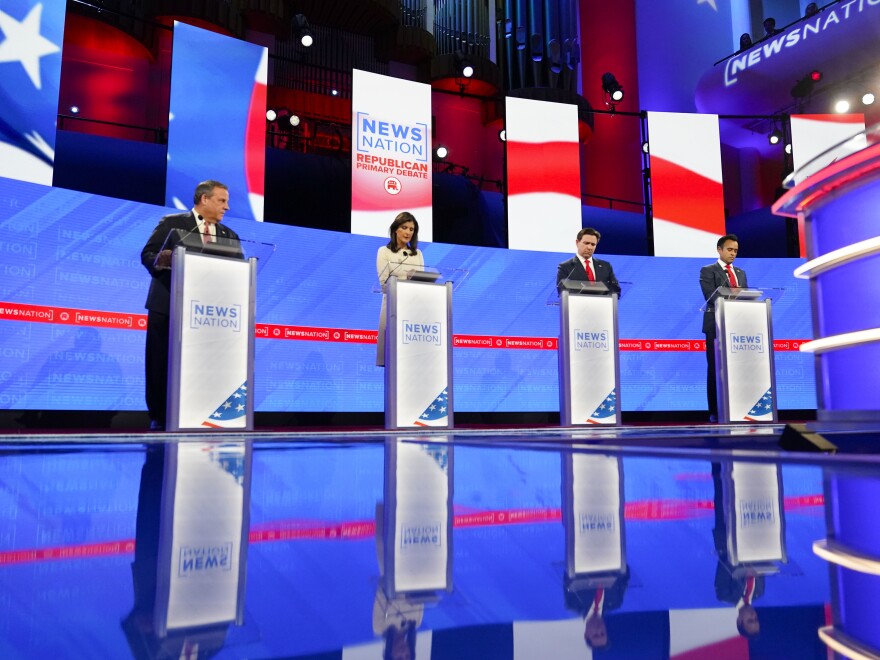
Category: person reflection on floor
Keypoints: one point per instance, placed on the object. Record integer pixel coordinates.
(394, 619)
(593, 604)
(734, 584)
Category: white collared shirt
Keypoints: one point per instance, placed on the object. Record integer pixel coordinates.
(204, 226)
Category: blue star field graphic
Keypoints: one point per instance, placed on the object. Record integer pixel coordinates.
(607, 409)
(229, 456)
(436, 412)
(762, 409)
(230, 412)
(31, 35)
(440, 454)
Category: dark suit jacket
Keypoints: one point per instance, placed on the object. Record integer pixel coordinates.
(730, 589)
(573, 270)
(711, 277)
(580, 600)
(159, 295)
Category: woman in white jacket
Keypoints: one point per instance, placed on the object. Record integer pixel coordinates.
(399, 257)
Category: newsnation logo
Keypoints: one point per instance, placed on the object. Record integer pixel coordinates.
(421, 333)
(226, 317)
(585, 340)
(595, 522)
(401, 139)
(757, 512)
(419, 536)
(199, 560)
(828, 19)
(746, 343)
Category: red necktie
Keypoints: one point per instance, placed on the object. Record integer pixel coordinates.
(750, 588)
(731, 276)
(597, 601)
(206, 234)
(590, 276)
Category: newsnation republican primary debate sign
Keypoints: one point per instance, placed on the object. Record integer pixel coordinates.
(391, 155)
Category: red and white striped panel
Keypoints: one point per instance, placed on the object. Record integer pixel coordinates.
(255, 140)
(543, 175)
(817, 141)
(814, 138)
(686, 187)
(706, 633)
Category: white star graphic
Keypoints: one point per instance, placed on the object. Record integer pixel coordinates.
(25, 44)
(711, 3)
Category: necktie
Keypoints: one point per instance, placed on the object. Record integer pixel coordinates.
(590, 276)
(750, 588)
(597, 601)
(731, 276)
(206, 234)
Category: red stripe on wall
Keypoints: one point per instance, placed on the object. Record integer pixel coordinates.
(682, 196)
(543, 167)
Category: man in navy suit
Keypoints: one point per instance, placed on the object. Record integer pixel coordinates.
(210, 202)
(583, 266)
(720, 273)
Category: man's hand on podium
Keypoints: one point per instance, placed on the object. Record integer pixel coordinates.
(164, 259)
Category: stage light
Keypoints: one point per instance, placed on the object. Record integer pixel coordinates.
(867, 98)
(463, 65)
(441, 152)
(74, 109)
(271, 115)
(613, 89)
(788, 148)
(294, 120)
(841, 106)
(775, 136)
(334, 92)
(502, 135)
(804, 87)
(645, 147)
(301, 29)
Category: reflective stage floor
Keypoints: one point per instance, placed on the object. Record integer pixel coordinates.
(652, 542)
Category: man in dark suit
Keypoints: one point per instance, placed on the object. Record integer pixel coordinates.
(583, 266)
(211, 201)
(736, 585)
(720, 273)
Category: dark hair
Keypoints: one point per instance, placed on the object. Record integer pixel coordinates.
(207, 188)
(402, 217)
(408, 630)
(741, 628)
(590, 231)
(725, 238)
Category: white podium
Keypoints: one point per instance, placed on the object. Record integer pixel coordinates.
(211, 343)
(589, 364)
(418, 352)
(744, 359)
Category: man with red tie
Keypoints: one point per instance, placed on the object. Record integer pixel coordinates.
(210, 203)
(583, 266)
(721, 273)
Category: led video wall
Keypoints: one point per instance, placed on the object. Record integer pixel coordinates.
(72, 319)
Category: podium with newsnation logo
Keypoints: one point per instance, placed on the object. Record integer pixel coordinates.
(418, 349)
(211, 349)
(589, 365)
(745, 368)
